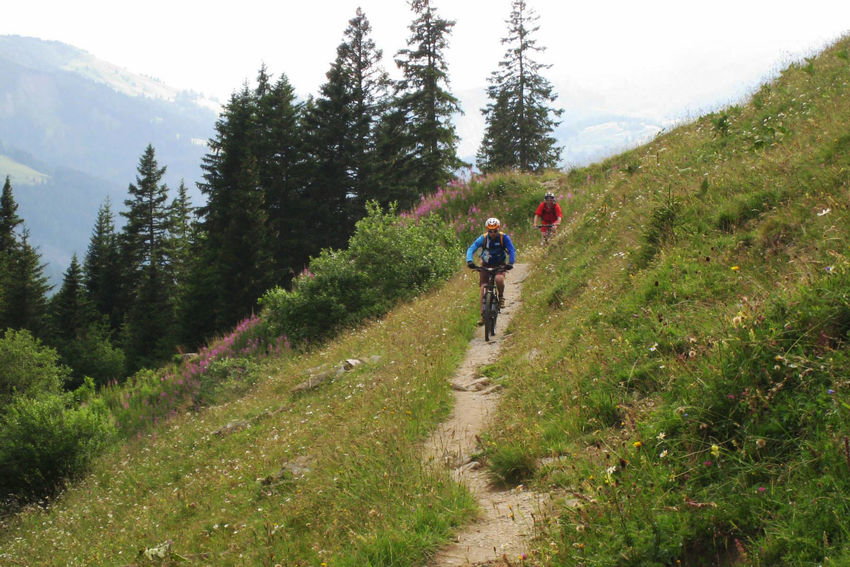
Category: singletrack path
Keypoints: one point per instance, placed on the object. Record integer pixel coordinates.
(506, 522)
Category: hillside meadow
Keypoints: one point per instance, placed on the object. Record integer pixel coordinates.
(677, 375)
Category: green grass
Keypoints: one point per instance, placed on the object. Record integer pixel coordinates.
(679, 367)
(221, 494)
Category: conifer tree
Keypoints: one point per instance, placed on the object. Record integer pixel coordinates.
(143, 238)
(282, 175)
(25, 289)
(235, 263)
(9, 219)
(519, 118)
(424, 106)
(71, 312)
(149, 292)
(102, 267)
(180, 233)
(9, 222)
(23, 285)
(340, 128)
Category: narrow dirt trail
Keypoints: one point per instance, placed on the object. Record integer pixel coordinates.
(506, 521)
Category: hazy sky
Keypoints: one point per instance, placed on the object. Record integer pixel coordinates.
(656, 59)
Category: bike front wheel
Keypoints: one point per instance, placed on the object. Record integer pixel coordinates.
(491, 312)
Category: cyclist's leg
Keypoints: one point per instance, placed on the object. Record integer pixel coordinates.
(500, 286)
(482, 285)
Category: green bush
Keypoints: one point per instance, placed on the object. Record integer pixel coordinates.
(93, 355)
(47, 440)
(387, 260)
(27, 367)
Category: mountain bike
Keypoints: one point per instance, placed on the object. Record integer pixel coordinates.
(490, 300)
(547, 234)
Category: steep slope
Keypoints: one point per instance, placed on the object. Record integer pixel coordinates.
(678, 367)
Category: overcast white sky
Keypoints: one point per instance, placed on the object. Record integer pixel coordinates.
(659, 59)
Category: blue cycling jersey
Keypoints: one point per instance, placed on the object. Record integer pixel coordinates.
(494, 251)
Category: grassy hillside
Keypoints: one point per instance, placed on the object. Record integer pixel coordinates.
(19, 173)
(679, 368)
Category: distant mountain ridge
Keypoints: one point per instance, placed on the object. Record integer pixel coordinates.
(72, 129)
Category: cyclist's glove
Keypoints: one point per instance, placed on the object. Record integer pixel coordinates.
(470, 265)
(509, 266)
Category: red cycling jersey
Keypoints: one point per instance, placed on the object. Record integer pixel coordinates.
(549, 214)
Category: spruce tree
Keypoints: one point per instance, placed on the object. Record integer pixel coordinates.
(180, 234)
(424, 104)
(25, 289)
(233, 268)
(519, 118)
(340, 130)
(102, 268)
(282, 175)
(149, 291)
(9, 219)
(143, 239)
(71, 312)
(9, 222)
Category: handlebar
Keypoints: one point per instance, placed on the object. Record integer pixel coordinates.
(502, 268)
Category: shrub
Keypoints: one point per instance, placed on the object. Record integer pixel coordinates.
(47, 440)
(93, 355)
(387, 260)
(28, 368)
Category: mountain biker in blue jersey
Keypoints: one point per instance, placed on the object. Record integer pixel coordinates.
(496, 250)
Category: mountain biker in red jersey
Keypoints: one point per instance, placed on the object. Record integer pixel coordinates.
(548, 213)
(497, 249)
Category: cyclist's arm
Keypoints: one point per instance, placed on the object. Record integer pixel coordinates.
(537, 220)
(559, 213)
(473, 247)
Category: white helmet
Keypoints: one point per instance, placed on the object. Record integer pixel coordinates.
(493, 224)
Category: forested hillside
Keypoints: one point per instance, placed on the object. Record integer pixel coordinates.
(676, 376)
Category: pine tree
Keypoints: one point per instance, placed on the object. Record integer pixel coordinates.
(424, 105)
(519, 119)
(102, 268)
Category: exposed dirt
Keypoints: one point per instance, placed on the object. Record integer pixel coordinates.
(507, 515)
